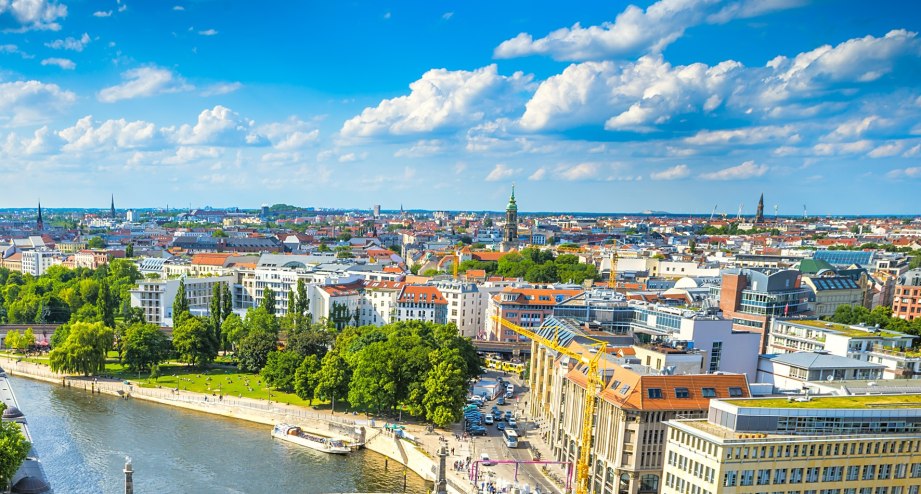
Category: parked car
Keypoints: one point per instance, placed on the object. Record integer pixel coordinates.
(508, 415)
(513, 423)
(501, 400)
(488, 420)
(478, 431)
(486, 461)
(500, 426)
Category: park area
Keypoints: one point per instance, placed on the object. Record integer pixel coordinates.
(220, 379)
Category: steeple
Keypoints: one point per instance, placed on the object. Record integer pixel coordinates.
(39, 224)
(759, 215)
(112, 210)
(510, 234)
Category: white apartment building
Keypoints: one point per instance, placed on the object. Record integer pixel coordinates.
(874, 345)
(36, 261)
(156, 297)
(466, 306)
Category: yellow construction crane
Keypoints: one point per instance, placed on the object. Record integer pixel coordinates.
(612, 279)
(593, 387)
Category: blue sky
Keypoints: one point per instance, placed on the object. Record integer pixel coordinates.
(675, 105)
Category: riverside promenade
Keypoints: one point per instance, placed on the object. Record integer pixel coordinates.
(418, 454)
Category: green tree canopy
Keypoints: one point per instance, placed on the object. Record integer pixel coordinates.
(306, 378)
(254, 349)
(194, 341)
(280, 370)
(84, 349)
(333, 378)
(96, 243)
(13, 451)
(144, 346)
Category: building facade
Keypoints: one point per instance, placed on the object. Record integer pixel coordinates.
(906, 302)
(751, 298)
(866, 445)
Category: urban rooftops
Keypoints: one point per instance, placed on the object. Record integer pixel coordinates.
(832, 402)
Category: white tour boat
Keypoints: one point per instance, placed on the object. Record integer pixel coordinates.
(294, 434)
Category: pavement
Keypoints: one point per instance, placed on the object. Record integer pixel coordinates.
(529, 476)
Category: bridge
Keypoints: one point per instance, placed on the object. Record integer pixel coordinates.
(506, 348)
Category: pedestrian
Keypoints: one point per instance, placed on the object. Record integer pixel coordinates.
(452, 451)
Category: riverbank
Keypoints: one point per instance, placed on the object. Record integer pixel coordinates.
(418, 457)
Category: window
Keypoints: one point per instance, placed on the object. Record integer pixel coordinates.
(869, 472)
(624, 390)
(654, 392)
(796, 475)
(780, 476)
(735, 392)
(708, 392)
(682, 393)
(747, 477)
(764, 477)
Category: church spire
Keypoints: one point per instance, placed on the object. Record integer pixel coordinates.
(112, 209)
(759, 214)
(39, 224)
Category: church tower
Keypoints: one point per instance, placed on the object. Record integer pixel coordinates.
(510, 234)
(39, 224)
(759, 215)
(112, 208)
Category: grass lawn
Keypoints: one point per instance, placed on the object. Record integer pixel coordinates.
(859, 401)
(221, 378)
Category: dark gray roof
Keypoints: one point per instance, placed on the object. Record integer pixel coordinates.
(834, 283)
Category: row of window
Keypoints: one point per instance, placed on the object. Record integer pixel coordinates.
(656, 393)
(820, 450)
(767, 476)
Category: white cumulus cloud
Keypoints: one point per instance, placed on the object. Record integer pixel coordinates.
(674, 173)
(208, 32)
(220, 126)
(538, 174)
(60, 62)
(86, 135)
(635, 31)
(102, 13)
(581, 171)
(68, 43)
(144, 82)
(910, 172)
(741, 172)
(441, 99)
(26, 15)
(743, 136)
(501, 172)
(29, 102)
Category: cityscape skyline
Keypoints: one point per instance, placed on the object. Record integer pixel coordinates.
(671, 106)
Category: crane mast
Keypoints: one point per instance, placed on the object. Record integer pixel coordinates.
(592, 388)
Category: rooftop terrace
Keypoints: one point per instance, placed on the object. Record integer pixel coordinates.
(831, 402)
(847, 330)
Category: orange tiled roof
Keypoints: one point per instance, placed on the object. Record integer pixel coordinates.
(487, 256)
(532, 296)
(415, 293)
(210, 259)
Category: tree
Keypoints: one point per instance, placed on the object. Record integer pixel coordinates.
(445, 388)
(306, 378)
(309, 341)
(214, 313)
(232, 330)
(84, 350)
(333, 378)
(226, 301)
(129, 251)
(268, 300)
(154, 372)
(13, 451)
(27, 340)
(193, 341)
(323, 248)
(253, 352)
(105, 304)
(144, 346)
(12, 340)
(280, 369)
(180, 303)
(96, 243)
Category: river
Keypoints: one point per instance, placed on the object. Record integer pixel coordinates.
(83, 439)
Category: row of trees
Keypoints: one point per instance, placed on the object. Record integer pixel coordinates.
(13, 450)
(20, 341)
(67, 295)
(880, 316)
(536, 266)
(419, 366)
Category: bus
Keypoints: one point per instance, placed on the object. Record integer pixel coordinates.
(511, 437)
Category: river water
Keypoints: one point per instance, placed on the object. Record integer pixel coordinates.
(83, 439)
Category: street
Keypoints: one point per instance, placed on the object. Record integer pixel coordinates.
(493, 444)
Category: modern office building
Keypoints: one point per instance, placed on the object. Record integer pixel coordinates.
(806, 445)
(752, 298)
(156, 297)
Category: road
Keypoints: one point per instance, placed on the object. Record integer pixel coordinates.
(494, 445)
